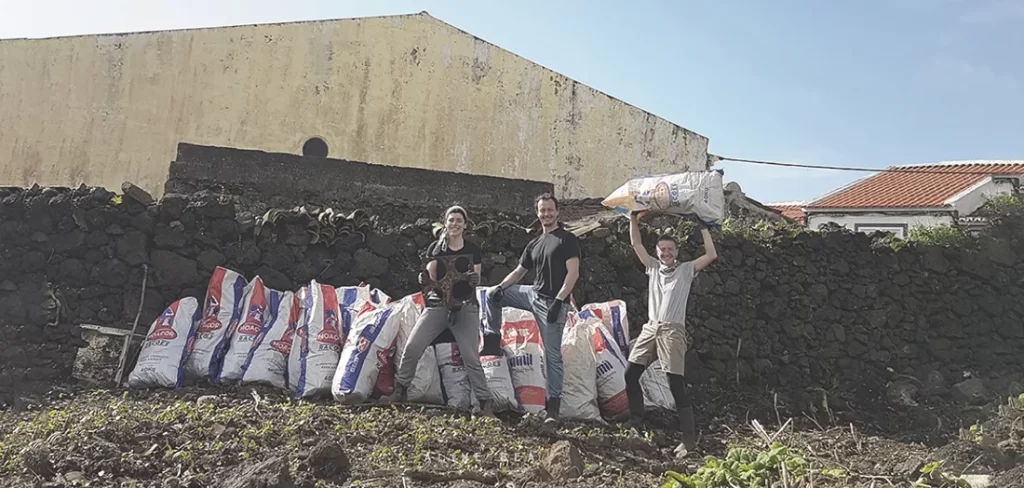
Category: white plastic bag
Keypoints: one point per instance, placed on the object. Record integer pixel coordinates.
(315, 353)
(221, 313)
(579, 391)
(697, 193)
(366, 352)
(499, 383)
(611, 373)
(161, 362)
(455, 384)
(353, 297)
(405, 318)
(426, 384)
(522, 345)
(267, 362)
(254, 313)
(654, 384)
(615, 320)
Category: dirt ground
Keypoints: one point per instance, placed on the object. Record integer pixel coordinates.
(250, 437)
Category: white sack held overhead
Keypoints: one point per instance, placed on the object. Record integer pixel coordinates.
(168, 342)
(654, 383)
(579, 391)
(405, 318)
(499, 383)
(426, 384)
(221, 312)
(522, 345)
(454, 378)
(254, 314)
(317, 347)
(267, 362)
(615, 320)
(611, 373)
(365, 352)
(697, 193)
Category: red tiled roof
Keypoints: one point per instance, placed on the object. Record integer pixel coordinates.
(791, 211)
(922, 186)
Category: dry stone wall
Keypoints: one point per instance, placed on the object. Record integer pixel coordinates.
(791, 312)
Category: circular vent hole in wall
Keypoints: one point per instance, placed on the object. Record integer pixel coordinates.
(315, 148)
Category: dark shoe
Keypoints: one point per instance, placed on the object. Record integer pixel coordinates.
(551, 410)
(634, 422)
(398, 396)
(486, 409)
(687, 428)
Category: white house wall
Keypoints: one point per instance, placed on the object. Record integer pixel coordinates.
(884, 219)
(974, 199)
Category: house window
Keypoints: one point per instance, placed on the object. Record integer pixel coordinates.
(898, 230)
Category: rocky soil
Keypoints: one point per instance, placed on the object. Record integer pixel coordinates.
(245, 437)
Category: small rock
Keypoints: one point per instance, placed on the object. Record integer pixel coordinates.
(205, 399)
(74, 477)
(563, 462)
(172, 482)
(36, 457)
(172, 205)
(971, 392)
(902, 393)
(135, 193)
(114, 230)
(328, 461)
(272, 473)
(978, 480)
(910, 468)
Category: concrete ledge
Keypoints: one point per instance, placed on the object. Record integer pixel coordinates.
(277, 174)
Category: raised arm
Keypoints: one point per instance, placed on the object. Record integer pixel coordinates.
(636, 241)
(710, 254)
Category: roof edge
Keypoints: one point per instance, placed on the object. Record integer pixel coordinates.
(211, 27)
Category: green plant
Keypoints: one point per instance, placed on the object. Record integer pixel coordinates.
(743, 467)
(932, 476)
(939, 235)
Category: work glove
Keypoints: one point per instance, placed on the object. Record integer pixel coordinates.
(494, 294)
(492, 344)
(554, 310)
(474, 279)
(421, 278)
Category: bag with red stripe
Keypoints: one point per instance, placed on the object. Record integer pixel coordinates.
(611, 371)
(616, 321)
(318, 340)
(221, 311)
(366, 351)
(267, 362)
(254, 315)
(406, 320)
(161, 362)
(522, 345)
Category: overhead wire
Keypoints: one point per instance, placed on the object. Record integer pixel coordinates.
(712, 159)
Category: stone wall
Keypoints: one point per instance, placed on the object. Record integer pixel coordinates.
(780, 310)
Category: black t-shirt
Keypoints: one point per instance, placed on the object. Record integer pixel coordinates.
(434, 250)
(546, 255)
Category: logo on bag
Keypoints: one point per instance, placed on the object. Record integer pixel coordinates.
(253, 320)
(164, 328)
(210, 321)
(662, 196)
(330, 333)
(363, 345)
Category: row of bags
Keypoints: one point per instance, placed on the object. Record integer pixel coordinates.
(345, 341)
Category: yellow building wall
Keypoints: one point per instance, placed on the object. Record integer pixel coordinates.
(404, 90)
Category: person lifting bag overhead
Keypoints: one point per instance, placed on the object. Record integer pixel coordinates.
(698, 193)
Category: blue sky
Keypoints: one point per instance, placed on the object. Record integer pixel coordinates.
(867, 84)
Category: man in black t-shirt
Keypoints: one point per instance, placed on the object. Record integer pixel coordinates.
(554, 256)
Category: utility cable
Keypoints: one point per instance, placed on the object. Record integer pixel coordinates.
(712, 159)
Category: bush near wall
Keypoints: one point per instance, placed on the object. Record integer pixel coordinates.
(782, 309)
